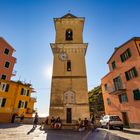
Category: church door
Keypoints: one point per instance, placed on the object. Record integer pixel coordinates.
(69, 114)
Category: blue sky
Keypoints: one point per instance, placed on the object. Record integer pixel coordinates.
(28, 26)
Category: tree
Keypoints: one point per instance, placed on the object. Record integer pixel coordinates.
(96, 101)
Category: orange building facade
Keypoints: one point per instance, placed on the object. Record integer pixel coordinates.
(7, 61)
(121, 86)
(15, 96)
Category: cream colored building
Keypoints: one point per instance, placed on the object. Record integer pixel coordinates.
(69, 93)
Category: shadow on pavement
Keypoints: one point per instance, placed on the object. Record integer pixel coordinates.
(32, 130)
(99, 134)
(65, 134)
(9, 125)
(132, 132)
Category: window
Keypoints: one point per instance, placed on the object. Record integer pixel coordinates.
(3, 76)
(123, 98)
(6, 51)
(106, 87)
(4, 87)
(24, 92)
(68, 65)
(117, 83)
(113, 65)
(22, 104)
(132, 73)
(26, 103)
(136, 94)
(27, 92)
(69, 34)
(108, 101)
(2, 102)
(7, 64)
(125, 55)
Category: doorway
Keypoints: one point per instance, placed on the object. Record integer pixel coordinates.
(69, 114)
(125, 119)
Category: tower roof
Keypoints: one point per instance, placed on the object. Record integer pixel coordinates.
(69, 15)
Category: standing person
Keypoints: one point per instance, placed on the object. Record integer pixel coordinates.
(22, 117)
(47, 121)
(13, 117)
(79, 123)
(35, 120)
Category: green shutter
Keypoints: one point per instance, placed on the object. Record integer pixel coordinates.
(135, 72)
(127, 76)
(129, 52)
(122, 58)
(3, 102)
(136, 94)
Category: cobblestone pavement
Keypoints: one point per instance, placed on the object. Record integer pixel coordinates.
(27, 132)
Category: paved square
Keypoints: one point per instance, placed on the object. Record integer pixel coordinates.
(27, 132)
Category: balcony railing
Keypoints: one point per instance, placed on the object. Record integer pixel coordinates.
(116, 89)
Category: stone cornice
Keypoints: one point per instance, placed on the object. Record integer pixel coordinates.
(59, 77)
(69, 48)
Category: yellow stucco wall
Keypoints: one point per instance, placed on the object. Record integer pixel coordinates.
(13, 96)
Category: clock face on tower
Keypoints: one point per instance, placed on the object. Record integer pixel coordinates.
(63, 56)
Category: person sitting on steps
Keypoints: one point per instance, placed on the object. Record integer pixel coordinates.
(58, 123)
(52, 122)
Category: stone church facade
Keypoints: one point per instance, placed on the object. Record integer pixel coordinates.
(69, 93)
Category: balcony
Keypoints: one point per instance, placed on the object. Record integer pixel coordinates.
(32, 99)
(116, 89)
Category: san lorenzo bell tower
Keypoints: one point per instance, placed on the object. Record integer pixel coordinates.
(69, 93)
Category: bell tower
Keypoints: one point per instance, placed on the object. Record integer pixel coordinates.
(69, 93)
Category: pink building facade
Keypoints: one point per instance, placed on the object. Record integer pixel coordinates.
(121, 86)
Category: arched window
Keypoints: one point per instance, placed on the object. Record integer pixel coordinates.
(68, 65)
(69, 34)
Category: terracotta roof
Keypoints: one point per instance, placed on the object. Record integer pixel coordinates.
(1, 38)
(116, 49)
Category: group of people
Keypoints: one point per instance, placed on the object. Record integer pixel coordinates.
(84, 124)
(56, 123)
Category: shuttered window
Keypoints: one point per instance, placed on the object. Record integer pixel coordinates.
(132, 73)
(124, 56)
(22, 90)
(3, 102)
(26, 103)
(7, 88)
(136, 94)
(19, 104)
